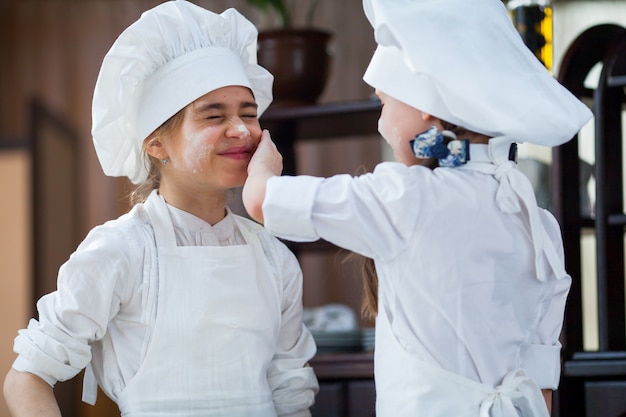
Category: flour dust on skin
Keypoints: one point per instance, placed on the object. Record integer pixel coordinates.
(198, 149)
(243, 130)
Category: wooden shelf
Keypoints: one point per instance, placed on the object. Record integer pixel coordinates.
(324, 121)
(9, 143)
(347, 387)
(596, 364)
(359, 365)
(288, 125)
(616, 220)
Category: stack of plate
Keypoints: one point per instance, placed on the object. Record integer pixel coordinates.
(337, 341)
(368, 338)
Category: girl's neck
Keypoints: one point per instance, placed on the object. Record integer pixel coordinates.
(209, 207)
(477, 138)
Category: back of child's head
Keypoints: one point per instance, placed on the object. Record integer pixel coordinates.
(464, 62)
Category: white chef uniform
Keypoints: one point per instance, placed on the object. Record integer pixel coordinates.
(208, 355)
(472, 285)
(465, 328)
(198, 328)
(251, 361)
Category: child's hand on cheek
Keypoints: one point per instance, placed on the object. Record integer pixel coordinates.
(266, 162)
(266, 159)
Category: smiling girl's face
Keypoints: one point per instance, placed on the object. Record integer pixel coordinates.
(213, 144)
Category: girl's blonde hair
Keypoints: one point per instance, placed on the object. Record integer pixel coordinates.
(141, 192)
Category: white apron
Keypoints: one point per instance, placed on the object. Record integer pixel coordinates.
(407, 386)
(218, 313)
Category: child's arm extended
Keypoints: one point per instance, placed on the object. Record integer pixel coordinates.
(266, 162)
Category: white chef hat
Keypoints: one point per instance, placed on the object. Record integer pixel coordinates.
(464, 62)
(174, 54)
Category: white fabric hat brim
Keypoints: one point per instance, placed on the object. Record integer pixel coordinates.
(174, 54)
(464, 62)
(182, 81)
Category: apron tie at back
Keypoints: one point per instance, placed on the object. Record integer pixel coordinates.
(517, 392)
(506, 199)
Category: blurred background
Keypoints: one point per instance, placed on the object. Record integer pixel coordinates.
(53, 189)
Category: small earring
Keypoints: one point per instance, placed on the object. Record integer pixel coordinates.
(165, 160)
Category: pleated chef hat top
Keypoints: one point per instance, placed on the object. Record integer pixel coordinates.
(464, 62)
(175, 53)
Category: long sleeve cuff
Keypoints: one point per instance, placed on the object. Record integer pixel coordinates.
(543, 364)
(50, 359)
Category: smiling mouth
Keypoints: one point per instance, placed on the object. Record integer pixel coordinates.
(239, 153)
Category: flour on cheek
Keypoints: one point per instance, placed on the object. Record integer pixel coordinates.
(196, 151)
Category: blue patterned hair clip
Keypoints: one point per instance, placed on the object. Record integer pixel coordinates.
(431, 144)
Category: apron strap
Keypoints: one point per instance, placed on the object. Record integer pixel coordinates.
(160, 219)
(90, 386)
(263, 258)
(515, 190)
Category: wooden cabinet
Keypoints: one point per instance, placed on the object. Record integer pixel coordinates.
(601, 377)
(606, 399)
(594, 383)
(347, 386)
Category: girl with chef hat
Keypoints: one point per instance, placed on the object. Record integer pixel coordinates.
(471, 279)
(179, 307)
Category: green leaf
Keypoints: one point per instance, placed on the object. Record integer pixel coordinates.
(277, 5)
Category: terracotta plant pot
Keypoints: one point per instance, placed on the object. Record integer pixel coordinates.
(299, 61)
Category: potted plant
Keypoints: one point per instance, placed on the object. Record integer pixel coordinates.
(284, 11)
(296, 55)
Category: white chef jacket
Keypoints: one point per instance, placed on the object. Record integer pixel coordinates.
(105, 306)
(456, 274)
